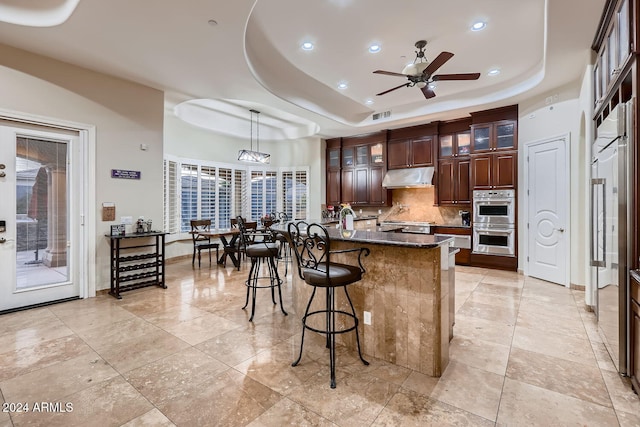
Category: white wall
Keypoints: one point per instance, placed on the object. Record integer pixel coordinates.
(124, 114)
(569, 114)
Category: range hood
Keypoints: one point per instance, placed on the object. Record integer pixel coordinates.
(408, 178)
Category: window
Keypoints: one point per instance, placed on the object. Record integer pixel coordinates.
(203, 190)
(264, 193)
(188, 195)
(295, 193)
(171, 196)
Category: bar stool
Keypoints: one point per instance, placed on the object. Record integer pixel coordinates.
(258, 252)
(284, 252)
(312, 247)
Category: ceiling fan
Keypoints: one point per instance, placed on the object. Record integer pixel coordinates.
(420, 73)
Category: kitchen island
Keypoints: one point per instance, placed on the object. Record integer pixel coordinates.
(406, 289)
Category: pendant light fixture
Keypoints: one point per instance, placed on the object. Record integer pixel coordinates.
(250, 155)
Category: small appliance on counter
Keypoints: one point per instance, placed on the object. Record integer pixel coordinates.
(466, 218)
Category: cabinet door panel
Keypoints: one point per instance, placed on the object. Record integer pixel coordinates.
(361, 186)
(504, 170)
(333, 161)
(505, 135)
(347, 185)
(398, 154)
(333, 187)
(377, 194)
(422, 152)
(446, 177)
(463, 180)
(445, 145)
(481, 172)
(480, 138)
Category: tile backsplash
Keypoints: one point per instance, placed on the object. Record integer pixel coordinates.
(416, 204)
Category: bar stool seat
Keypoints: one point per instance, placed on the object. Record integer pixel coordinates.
(312, 248)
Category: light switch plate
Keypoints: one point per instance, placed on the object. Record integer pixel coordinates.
(367, 318)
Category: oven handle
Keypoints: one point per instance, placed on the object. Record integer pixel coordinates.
(493, 201)
(494, 232)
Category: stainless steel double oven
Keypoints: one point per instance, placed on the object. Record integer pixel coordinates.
(494, 218)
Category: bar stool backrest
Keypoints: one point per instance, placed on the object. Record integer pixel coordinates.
(311, 245)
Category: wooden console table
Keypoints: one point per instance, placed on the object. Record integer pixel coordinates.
(138, 265)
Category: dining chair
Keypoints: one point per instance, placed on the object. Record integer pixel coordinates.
(201, 241)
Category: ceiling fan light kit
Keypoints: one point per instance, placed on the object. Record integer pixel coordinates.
(420, 73)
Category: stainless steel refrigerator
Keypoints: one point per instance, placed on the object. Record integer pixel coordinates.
(610, 223)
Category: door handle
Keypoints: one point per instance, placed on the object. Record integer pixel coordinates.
(560, 230)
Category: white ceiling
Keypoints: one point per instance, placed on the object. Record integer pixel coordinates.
(252, 58)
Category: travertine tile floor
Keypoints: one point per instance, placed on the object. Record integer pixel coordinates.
(525, 352)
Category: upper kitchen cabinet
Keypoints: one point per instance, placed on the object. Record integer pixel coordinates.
(411, 146)
(494, 136)
(493, 130)
(494, 143)
(363, 163)
(454, 145)
(613, 45)
(453, 180)
(334, 181)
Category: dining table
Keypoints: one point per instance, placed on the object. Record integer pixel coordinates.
(228, 245)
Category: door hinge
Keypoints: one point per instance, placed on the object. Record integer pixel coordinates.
(527, 225)
(527, 259)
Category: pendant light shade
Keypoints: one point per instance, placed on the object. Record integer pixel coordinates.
(250, 155)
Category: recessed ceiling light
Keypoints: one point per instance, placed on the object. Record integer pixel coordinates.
(369, 101)
(493, 72)
(342, 85)
(212, 22)
(477, 26)
(307, 46)
(375, 48)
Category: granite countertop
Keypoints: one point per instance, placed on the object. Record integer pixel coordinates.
(424, 241)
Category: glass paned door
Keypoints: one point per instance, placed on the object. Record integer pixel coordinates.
(38, 245)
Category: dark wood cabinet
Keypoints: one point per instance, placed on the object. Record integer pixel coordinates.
(362, 168)
(453, 182)
(494, 170)
(410, 153)
(333, 187)
(454, 145)
(487, 137)
(411, 147)
(334, 174)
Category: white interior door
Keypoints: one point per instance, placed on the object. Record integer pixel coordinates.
(547, 216)
(41, 191)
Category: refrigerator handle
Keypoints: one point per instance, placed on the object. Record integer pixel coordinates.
(594, 222)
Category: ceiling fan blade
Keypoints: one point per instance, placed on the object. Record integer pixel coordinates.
(437, 63)
(397, 87)
(461, 76)
(427, 92)
(389, 73)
